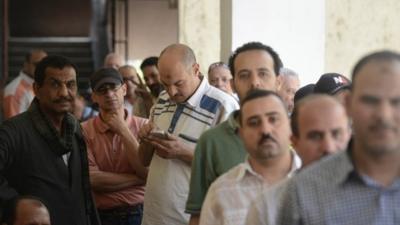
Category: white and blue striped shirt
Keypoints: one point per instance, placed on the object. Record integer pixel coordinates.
(168, 180)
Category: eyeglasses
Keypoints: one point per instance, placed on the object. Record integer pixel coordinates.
(131, 79)
(107, 87)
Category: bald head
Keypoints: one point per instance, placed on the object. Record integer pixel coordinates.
(112, 60)
(320, 126)
(179, 72)
(26, 210)
(31, 60)
(181, 51)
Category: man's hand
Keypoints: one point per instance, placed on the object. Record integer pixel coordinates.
(145, 131)
(116, 122)
(171, 148)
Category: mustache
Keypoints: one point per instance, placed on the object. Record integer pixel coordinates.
(382, 126)
(266, 137)
(63, 99)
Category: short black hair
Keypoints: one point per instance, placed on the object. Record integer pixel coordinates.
(53, 61)
(9, 212)
(150, 61)
(255, 46)
(385, 55)
(258, 93)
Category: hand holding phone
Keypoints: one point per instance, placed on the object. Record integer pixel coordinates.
(159, 134)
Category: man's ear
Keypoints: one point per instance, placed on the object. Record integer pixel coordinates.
(196, 69)
(93, 97)
(124, 88)
(294, 140)
(278, 82)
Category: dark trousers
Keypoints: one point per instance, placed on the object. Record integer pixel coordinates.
(127, 215)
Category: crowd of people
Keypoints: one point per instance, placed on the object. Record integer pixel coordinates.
(244, 144)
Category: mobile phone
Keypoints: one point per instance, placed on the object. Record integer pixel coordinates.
(159, 134)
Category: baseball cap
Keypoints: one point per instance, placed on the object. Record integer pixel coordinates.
(105, 76)
(331, 83)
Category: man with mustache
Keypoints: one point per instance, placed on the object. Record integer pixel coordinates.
(360, 185)
(138, 101)
(320, 127)
(116, 174)
(265, 131)
(253, 66)
(188, 106)
(42, 151)
(151, 75)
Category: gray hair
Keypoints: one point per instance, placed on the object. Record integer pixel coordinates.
(288, 72)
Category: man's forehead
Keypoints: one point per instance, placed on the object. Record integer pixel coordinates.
(63, 74)
(263, 105)
(252, 57)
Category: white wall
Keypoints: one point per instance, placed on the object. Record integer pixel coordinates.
(295, 29)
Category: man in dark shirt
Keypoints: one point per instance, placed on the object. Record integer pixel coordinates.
(42, 152)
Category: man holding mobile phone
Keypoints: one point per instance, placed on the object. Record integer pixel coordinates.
(188, 106)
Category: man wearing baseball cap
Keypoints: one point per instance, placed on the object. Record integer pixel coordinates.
(116, 175)
(333, 84)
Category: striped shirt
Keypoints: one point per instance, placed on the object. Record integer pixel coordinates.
(18, 95)
(168, 180)
(228, 198)
(332, 191)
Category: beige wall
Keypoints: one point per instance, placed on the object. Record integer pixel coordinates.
(199, 27)
(153, 26)
(356, 27)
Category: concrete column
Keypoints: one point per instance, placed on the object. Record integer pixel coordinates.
(355, 28)
(199, 27)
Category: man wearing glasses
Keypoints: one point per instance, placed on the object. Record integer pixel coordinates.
(116, 175)
(138, 101)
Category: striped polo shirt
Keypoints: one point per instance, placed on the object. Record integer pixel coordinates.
(168, 180)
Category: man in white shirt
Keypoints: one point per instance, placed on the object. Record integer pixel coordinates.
(320, 127)
(188, 106)
(265, 131)
(18, 94)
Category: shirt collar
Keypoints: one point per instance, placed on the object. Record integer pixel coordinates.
(233, 122)
(247, 170)
(347, 172)
(26, 77)
(195, 99)
(102, 127)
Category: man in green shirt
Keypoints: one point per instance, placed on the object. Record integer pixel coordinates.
(253, 66)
